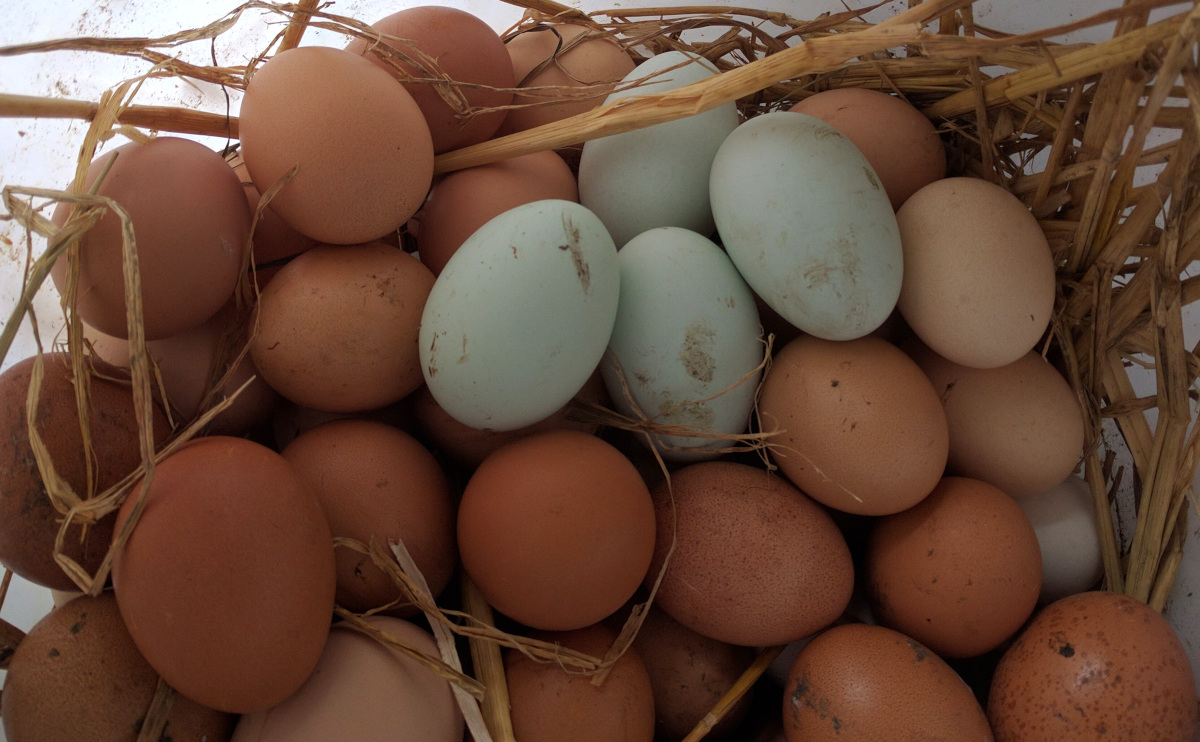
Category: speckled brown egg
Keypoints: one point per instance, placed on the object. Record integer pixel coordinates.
(1094, 666)
(862, 682)
(78, 669)
(959, 572)
(755, 561)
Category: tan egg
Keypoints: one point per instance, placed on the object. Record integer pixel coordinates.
(978, 274)
(755, 562)
(1094, 666)
(598, 62)
(337, 327)
(465, 200)
(550, 704)
(459, 46)
(960, 572)
(858, 681)
(861, 428)
(1018, 426)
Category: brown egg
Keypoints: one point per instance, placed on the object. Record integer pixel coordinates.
(898, 141)
(861, 429)
(337, 327)
(273, 240)
(556, 529)
(1017, 426)
(756, 563)
(465, 200)
(291, 420)
(454, 44)
(960, 572)
(78, 669)
(978, 275)
(378, 483)
(363, 149)
(191, 223)
(599, 63)
(550, 704)
(858, 681)
(1094, 666)
(364, 690)
(29, 522)
(227, 581)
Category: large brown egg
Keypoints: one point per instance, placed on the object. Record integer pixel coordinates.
(363, 150)
(78, 669)
(864, 682)
(452, 43)
(29, 522)
(227, 581)
(755, 562)
(860, 428)
(191, 224)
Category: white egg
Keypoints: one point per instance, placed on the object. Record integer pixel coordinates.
(656, 176)
(520, 316)
(806, 221)
(1065, 521)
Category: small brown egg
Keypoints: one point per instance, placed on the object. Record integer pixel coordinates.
(78, 669)
(1094, 666)
(227, 582)
(959, 572)
(858, 681)
(1017, 426)
(598, 62)
(452, 43)
(861, 428)
(464, 201)
(29, 521)
(378, 483)
(337, 327)
(551, 704)
(556, 529)
(274, 241)
(978, 274)
(755, 562)
(191, 224)
(898, 141)
(363, 150)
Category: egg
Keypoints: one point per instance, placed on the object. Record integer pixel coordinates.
(1093, 666)
(1064, 518)
(978, 273)
(856, 424)
(274, 242)
(868, 682)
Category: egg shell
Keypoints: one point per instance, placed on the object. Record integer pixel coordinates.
(868, 682)
(364, 690)
(273, 240)
(686, 331)
(227, 581)
(978, 273)
(362, 148)
(1064, 517)
(859, 427)
(520, 316)
(656, 176)
(807, 223)
(959, 572)
(755, 562)
(1093, 666)
(556, 529)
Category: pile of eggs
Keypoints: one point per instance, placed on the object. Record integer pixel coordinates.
(920, 515)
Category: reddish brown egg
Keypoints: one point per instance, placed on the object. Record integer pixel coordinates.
(960, 572)
(858, 681)
(556, 529)
(227, 581)
(755, 562)
(1094, 666)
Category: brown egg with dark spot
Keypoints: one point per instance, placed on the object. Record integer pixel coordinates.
(863, 682)
(29, 522)
(1094, 666)
(78, 669)
(755, 561)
